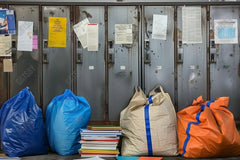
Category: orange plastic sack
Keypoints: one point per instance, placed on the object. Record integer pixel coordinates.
(207, 129)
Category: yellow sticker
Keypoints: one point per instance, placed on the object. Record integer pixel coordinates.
(57, 36)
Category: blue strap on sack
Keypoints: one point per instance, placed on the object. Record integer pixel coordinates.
(195, 123)
(147, 126)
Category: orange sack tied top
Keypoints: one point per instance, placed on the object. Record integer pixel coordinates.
(207, 129)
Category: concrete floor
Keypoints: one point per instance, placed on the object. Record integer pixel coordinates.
(54, 156)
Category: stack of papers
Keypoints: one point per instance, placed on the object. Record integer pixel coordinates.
(99, 141)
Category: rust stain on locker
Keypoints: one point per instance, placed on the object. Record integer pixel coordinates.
(51, 13)
(45, 19)
(77, 13)
(179, 34)
(88, 15)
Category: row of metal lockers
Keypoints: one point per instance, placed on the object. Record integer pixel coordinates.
(106, 78)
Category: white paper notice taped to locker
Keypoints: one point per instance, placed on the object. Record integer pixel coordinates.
(7, 65)
(92, 37)
(123, 34)
(159, 30)
(191, 25)
(25, 36)
(225, 31)
(5, 45)
(81, 31)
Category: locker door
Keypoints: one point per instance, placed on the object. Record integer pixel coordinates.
(123, 59)
(57, 60)
(159, 54)
(26, 65)
(91, 65)
(192, 80)
(225, 62)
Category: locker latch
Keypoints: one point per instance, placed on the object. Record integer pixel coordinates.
(212, 58)
(147, 58)
(180, 53)
(146, 44)
(45, 58)
(111, 58)
(79, 58)
(212, 52)
(45, 43)
(14, 51)
(180, 58)
(110, 52)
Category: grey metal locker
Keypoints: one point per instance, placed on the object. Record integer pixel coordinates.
(26, 64)
(159, 54)
(225, 61)
(91, 64)
(191, 59)
(57, 61)
(123, 59)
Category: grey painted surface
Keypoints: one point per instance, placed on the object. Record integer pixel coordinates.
(122, 82)
(91, 83)
(225, 73)
(192, 80)
(57, 73)
(160, 70)
(26, 69)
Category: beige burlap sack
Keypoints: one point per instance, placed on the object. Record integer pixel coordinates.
(149, 126)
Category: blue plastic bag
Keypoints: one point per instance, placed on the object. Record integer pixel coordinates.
(22, 129)
(65, 115)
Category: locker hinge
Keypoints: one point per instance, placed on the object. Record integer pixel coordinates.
(139, 16)
(106, 15)
(208, 15)
(40, 14)
(175, 15)
(71, 13)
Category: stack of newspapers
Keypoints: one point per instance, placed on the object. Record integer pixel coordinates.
(100, 141)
